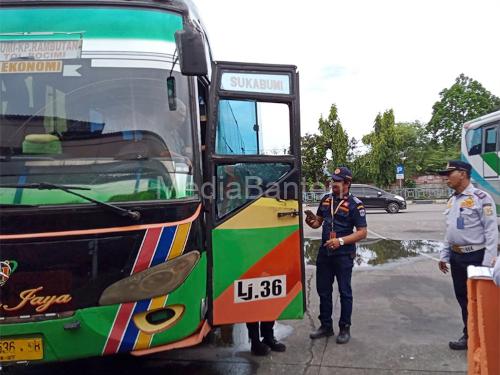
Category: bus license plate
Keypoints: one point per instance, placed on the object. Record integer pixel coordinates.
(22, 349)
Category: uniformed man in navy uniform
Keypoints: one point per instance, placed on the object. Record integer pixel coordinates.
(338, 249)
(471, 234)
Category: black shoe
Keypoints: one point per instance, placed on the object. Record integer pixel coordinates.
(322, 331)
(460, 344)
(274, 344)
(344, 335)
(259, 348)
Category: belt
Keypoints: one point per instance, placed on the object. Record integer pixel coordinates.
(466, 248)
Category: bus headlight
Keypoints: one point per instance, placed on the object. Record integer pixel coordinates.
(152, 282)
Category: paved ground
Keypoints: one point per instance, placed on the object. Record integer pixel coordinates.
(404, 315)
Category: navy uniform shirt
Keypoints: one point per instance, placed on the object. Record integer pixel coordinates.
(350, 213)
(478, 223)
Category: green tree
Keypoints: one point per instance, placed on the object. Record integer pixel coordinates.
(335, 138)
(411, 145)
(313, 158)
(384, 149)
(465, 100)
(353, 150)
(360, 169)
(421, 154)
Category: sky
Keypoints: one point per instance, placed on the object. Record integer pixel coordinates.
(365, 56)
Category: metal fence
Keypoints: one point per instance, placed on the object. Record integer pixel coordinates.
(407, 193)
(313, 197)
(423, 193)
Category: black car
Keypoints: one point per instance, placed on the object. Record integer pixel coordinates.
(374, 197)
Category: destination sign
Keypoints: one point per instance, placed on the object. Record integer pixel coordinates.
(254, 82)
(40, 49)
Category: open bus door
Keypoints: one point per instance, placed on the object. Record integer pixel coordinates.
(256, 263)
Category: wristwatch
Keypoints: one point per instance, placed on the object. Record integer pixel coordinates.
(341, 241)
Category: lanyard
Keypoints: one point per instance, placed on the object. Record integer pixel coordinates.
(336, 209)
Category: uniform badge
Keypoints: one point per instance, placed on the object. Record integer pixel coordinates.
(488, 210)
(362, 212)
(468, 203)
(344, 209)
(337, 171)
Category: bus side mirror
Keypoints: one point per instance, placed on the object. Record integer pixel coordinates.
(191, 49)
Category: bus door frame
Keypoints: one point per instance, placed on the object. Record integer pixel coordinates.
(213, 159)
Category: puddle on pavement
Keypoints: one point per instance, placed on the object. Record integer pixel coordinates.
(375, 252)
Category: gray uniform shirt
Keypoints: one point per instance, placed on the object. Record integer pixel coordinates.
(478, 212)
(496, 272)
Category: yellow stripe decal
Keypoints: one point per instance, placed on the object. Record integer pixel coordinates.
(179, 240)
(176, 249)
(263, 213)
(144, 339)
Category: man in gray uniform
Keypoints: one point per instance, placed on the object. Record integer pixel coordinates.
(471, 234)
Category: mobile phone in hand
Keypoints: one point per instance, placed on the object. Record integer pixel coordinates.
(309, 214)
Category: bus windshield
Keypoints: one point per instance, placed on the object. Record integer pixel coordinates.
(110, 129)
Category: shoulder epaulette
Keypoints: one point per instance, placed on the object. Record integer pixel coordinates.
(356, 199)
(481, 194)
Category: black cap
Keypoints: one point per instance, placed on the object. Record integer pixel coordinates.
(456, 165)
(342, 174)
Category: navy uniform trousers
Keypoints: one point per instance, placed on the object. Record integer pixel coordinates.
(266, 330)
(329, 268)
(458, 266)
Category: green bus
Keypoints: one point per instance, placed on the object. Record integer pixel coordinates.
(147, 192)
(481, 148)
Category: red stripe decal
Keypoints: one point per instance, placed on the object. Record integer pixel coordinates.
(147, 250)
(118, 329)
(142, 261)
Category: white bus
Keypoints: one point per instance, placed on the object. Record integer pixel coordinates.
(481, 148)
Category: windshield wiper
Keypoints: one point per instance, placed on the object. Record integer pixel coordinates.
(135, 215)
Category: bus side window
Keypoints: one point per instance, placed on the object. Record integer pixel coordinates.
(474, 141)
(248, 127)
(490, 140)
